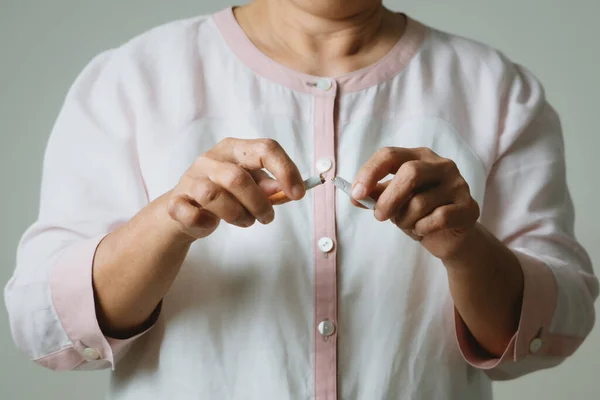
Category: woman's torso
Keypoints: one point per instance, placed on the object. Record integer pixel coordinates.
(240, 320)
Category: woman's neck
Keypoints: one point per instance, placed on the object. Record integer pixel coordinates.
(321, 42)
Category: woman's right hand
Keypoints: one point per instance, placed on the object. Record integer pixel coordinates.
(135, 266)
(228, 183)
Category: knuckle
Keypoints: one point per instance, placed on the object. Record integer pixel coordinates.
(268, 145)
(461, 185)
(198, 162)
(426, 151)
(387, 152)
(205, 192)
(211, 194)
(236, 177)
(367, 171)
(442, 218)
(449, 164)
(411, 170)
(419, 204)
(227, 141)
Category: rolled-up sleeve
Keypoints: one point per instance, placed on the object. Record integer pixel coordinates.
(91, 184)
(529, 208)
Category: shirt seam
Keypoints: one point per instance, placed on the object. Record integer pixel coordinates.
(61, 350)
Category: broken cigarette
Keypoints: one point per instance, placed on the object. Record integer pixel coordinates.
(346, 187)
(281, 198)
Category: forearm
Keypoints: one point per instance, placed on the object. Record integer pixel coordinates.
(486, 283)
(134, 268)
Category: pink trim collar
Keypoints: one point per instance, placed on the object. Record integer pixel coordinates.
(386, 68)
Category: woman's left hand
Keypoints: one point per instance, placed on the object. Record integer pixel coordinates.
(427, 198)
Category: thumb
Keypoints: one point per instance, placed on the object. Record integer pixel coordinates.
(264, 181)
(195, 221)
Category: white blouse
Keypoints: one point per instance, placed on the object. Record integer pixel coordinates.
(326, 302)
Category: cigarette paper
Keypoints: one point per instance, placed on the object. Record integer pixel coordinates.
(312, 182)
(346, 187)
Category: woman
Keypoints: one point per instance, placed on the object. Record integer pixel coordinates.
(146, 256)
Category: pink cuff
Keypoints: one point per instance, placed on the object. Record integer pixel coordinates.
(73, 300)
(532, 336)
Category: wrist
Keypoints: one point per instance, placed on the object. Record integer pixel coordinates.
(473, 242)
(480, 257)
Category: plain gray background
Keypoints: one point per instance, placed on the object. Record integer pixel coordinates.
(44, 44)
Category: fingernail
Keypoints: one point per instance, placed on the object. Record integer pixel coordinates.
(359, 191)
(248, 224)
(267, 218)
(298, 191)
(416, 234)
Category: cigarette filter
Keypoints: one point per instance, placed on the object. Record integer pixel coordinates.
(312, 182)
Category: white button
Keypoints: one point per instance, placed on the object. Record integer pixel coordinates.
(325, 244)
(324, 84)
(326, 328)
(324, 164)
(91, 354)
(535, 345)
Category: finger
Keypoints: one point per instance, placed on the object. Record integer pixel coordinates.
(411, 177)
(412, 235)
(453, 216)
(385, 161)
(420, 205)
(241, 185)
(262, 153)
(267, 184)
(215, 199)
(196, 222)
(374, 194)
(379, 189)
